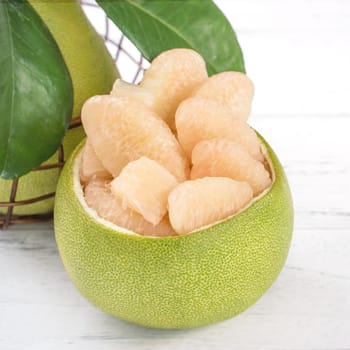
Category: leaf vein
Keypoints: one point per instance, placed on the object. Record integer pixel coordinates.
(7, 151)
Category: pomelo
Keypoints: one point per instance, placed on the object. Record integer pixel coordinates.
(198, 119)
(202, 277)
(91, 166)
(144, 186)
(194, 204)
(222, 157)
(172, 77)
(92, 70)
(123, 89)
(99, 197)
(122, 130)
(233, 89)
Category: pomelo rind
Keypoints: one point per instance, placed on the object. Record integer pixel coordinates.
(186, 281)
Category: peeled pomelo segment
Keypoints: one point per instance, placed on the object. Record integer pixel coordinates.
(122, 130)
(172, 77)
(220, 157)
(198, 119)
(123, 89)
(99, 197)
(233, 89)
(144, 185)
(91, 166)
(196, 203)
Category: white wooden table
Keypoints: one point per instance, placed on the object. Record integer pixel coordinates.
(298, 56)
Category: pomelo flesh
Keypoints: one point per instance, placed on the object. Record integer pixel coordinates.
(172, 77)
(91, 167)
(127, 125)
(122, 130)
(221, 157)
(144, 185)
(197, 203)
(198, 119)
(123, 89)
(109, 207)
(232, 89)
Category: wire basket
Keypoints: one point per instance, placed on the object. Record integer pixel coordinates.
(131, 65)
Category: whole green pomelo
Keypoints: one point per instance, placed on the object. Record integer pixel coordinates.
(185, 281)
(93, 72)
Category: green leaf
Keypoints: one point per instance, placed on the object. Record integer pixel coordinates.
(158, 25)
(36, 93)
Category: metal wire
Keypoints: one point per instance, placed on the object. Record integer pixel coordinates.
(136, 64)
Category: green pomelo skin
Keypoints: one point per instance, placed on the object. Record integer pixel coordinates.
(175, 282)
(90, 65)
(93, 72)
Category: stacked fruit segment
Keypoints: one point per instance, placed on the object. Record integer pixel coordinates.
(199, 119)
(201, 202)
(91, 166)
(99, 197)
(123, 129)
(174, 153)
(231, 89)
(171, 78)
(144, 186)
(222, 157)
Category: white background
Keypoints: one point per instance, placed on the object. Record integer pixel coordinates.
(297, 52)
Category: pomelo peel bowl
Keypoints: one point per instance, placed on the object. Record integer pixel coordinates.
(183, 279)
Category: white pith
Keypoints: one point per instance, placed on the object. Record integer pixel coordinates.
(80, 194)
